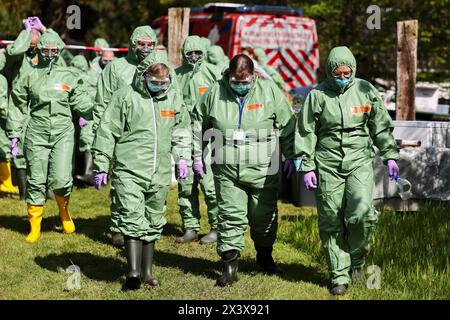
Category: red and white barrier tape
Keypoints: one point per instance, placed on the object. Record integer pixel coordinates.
(70, 46)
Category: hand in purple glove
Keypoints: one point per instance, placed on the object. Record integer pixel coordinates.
(15, 147)
(183, 170)
(100, 179)
(393, 169)
(27, 23)
(82, 122)
(198, 167)
(36, 24)
(289, 168)
(310, 180)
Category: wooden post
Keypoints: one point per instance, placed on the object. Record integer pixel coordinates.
(407, 32)
(178, 31)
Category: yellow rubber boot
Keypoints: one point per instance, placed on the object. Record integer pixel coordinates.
(64, 215)
(35, 219)
(6, 185)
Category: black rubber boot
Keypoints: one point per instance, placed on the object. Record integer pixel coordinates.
(339, 290)
(88, 175)
(230, 260)
(188, 236)
(117, 240)
(265, 260)
(210, 237)
(133, 249)
(22, 182)
(148, 248)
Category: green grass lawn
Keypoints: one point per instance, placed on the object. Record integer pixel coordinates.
(411, 250)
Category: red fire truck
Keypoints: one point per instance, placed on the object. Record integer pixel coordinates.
(288, 38)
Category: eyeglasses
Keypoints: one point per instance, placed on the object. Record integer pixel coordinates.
(247, 81)
(162, 83)
(346, 74)
(146, 44)
(52, 51)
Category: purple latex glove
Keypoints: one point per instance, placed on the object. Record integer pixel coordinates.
(15, 147)
(198, 167)
(82, 122)
(310, 180)
(289, 168)
(100, 179)
(393, 169)
(36, 24)
(182, 169)
(27, 23)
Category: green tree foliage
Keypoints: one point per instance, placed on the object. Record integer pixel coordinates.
(339, 22)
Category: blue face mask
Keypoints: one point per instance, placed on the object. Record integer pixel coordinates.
(153, 88)
(241, 89)
(342, 82)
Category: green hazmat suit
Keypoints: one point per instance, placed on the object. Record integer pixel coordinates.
(337, 129)
(194, 82)
(51, 93)
(217, 57)
(138, 134)
(245, 165)
(274, 74)
(90, 77)
(118, 73)
(18, 63)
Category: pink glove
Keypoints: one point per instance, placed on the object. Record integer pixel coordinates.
(15, 147)
(82, 122)
(36, 24)
(393, 169)
(100, 179)
(310, 180)
(182, 169)
(27, 23)
(289, 168)
(198, 167)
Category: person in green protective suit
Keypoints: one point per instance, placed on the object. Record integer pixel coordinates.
(99, 43)
(19, 58)
(84, 128)
(6, 185)
(338, 125)
(195, 76)
(144, 125)
(217, 57)
(245, 115)
(51, 93)
(117, 74)
(274, 74)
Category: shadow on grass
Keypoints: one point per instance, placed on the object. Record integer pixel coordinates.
(94, 267)
(96, 228)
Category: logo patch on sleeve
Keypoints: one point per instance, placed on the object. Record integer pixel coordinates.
(365, 108)
(202, 89)
(62, 86)
(167, 113)
(255, 106)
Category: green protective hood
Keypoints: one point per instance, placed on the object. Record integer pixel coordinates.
(193, 43)
(50, 37)
(340, 56)
(80, 63)
(156, 56)
(261, 55)
(140, 32)
(101, 43)
(216, 55)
